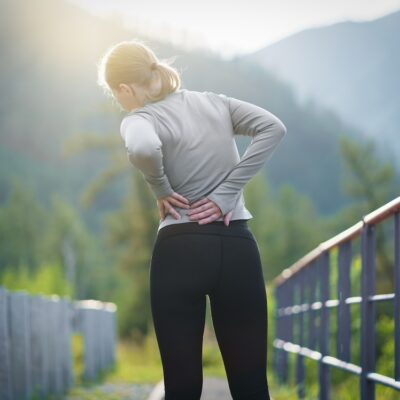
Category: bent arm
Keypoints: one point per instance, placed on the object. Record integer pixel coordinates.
(144, 150)
(267, 131)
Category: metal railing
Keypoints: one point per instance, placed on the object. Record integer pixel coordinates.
(35, 342)
(313, 271)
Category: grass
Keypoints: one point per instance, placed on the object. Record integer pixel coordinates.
(141, 364)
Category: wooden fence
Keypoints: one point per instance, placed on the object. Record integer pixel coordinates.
(35, 342)
(303, 291)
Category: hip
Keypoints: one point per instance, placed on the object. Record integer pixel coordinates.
(238, 228)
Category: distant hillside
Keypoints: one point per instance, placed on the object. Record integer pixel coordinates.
(49, 92)
(351, 67)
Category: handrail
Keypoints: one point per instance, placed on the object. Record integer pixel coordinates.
(373, 217)
(309, 278)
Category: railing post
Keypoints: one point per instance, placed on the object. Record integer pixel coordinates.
(299, 279)
(278, 321)
(312, 328)
(289, 321)
(343, 312)
(367, 387)
(397, 296)
(323, 370)
(285, 334)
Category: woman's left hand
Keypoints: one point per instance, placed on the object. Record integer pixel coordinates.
(165, 205)
(205, 211)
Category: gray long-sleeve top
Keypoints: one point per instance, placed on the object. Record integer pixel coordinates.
(185, 143)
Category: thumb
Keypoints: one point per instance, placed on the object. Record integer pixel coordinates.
(227, 218)
(162, 210)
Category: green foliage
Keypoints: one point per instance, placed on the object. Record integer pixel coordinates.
(130, 237)
(281, 224)
(77, 349)
(37, 247)
(21, 228)
(367, 179)
(45, 246)
(67, 242)
(48, 279)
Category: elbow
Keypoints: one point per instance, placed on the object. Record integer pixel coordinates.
(276, 126)
(140, 152)
(281, 128)
(142, 157)
(138, 160)
(137, 154)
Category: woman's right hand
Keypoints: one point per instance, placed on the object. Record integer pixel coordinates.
(205, 211)
(165, 205)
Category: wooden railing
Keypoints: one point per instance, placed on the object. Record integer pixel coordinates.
(303, 290)
(35, 342)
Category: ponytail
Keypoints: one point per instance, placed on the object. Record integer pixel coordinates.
(134, 62)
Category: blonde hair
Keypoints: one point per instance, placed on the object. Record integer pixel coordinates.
(132, 61)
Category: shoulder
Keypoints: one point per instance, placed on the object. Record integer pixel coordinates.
(137, 121)
(217, 98)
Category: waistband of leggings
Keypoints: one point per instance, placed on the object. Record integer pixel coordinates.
(238, 227)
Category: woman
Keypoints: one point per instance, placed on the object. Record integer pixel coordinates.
(183, 143)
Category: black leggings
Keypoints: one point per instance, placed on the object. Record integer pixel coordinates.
(190, 261)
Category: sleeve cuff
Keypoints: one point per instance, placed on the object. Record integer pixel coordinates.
(226, 202)
(162, 190)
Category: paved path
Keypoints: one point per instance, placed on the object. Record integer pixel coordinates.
(213, 389)
(112, 391)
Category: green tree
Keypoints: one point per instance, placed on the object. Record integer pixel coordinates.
(366, 178)
(21, 229)
(131, 233)
(66, 242)
(47, 280)
(369, 181)
(285, 224)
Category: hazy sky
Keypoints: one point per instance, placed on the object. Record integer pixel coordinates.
(231, 27)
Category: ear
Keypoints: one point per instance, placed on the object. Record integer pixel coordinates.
(124, 88)
(132, 89)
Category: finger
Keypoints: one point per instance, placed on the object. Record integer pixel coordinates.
(178, 203)
(160, 207)
(199, 202)
(226, 220)
(203, 207)
(172, 211)
(204, 212)
(180, 197)
(227, 217)
(162, 211)
(209, 219)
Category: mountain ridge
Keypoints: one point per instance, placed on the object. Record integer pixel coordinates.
(349, 66)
